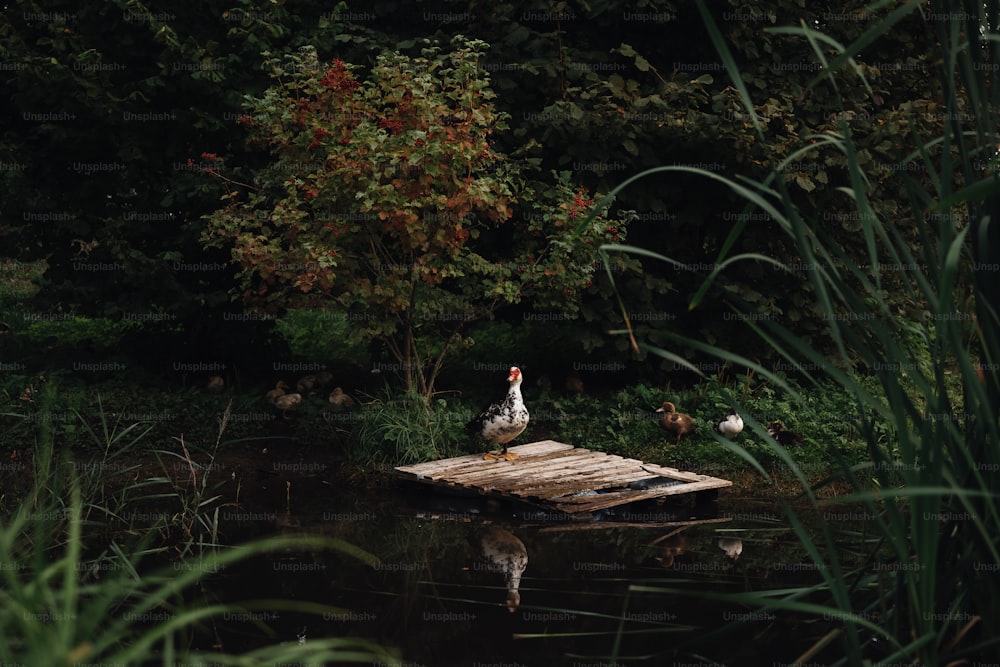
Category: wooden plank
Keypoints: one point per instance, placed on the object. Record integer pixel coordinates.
(510, 479)
(541, 448)
(606, 500)
(674, 473)
(713, 483)
(570, 469)
(595, 482)
(604, 525)
(550, 474)
(521, 467)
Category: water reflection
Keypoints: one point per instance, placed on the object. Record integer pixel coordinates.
(451, 568)
(504, 553)
(671, 546)
(732, 546)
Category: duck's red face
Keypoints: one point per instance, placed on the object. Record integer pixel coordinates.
(515, 374)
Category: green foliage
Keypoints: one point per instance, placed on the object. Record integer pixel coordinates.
(625, 423)
(405, 429)
(77, 332)
(321, 335)
(18, 281)
(115, 215)
(34, 412)
(122, 223)
(70, 597)
(388, 196)
(930, 483)
(54, 611)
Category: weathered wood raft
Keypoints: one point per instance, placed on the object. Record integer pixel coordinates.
(560, 477)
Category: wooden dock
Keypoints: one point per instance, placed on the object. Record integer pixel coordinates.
(560, 477)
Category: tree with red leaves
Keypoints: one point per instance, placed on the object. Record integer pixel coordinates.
(387, 195)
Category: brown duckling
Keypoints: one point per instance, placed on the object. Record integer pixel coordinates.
(215, 384)
(338, 398)
(305, 384)
(287, 402)
(675, 422)
(280, 389)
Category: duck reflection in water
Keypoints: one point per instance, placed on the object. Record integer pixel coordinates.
(671, 546)
(503, 552)
(733, 547)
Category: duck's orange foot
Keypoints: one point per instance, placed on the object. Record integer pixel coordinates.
(491, 456)
(510, 456)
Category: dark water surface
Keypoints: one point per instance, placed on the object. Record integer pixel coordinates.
(584, 601)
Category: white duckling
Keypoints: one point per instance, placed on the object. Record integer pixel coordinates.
(731, 426)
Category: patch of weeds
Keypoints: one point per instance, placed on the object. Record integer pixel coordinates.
(320, 334)
(397, 430)
(77, 332)
(626, 424)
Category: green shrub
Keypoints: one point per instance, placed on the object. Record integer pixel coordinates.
(324, 335)
(74, 597)
(75, 332)
(927, 412)
(405, 429)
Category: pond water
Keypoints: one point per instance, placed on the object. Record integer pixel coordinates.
(587, 595)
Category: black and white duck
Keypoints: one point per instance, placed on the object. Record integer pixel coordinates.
(502, 422)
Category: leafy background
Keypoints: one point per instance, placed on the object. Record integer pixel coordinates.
(109, 103)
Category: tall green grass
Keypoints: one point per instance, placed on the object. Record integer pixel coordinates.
(76, 589)
(929, 592)
(405, 429)
(53, 612)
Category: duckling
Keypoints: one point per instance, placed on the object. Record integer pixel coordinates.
(305, 384)
(675, 422)
(280, 389)
(731, 426)
(784, 437)
(215, 384)
(323, 378)
(338, 398)
(287, 402)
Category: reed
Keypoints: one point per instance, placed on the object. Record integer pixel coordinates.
(927, 592)
(79, 590)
